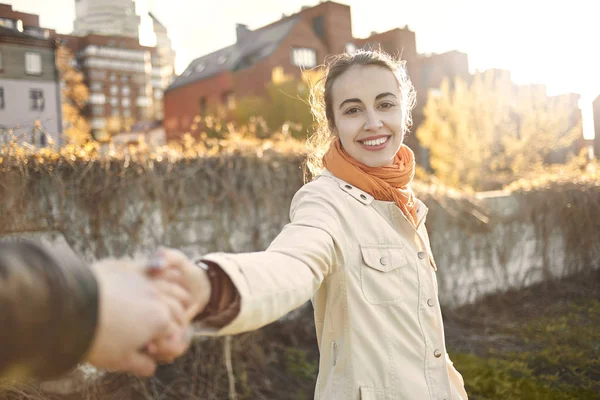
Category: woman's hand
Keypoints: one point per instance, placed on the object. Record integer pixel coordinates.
(173, 266)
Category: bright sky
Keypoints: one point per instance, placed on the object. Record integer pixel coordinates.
(541, 41)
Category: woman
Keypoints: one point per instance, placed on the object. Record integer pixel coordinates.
(356, 246)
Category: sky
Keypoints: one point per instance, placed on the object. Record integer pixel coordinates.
(551, 42)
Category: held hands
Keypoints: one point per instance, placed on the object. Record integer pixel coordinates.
(145, 311)
(173, 265)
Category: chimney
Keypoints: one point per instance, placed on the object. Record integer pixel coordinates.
(241, 30)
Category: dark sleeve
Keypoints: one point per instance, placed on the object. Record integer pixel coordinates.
(224, 303)
(48, 311)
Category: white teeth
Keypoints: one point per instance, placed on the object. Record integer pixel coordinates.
(376, 142)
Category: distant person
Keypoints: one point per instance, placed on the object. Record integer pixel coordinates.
(55, 314)
(356, 246)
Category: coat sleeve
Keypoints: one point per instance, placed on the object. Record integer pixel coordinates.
(273, 282)
(48, 312)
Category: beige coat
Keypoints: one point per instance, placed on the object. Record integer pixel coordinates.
(373, 286)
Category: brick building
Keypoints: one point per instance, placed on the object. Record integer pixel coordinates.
(301, 40)
(244, 68)
(30, 104)
(126, 80)
(118, 73)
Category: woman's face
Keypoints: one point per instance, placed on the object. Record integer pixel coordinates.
(367, 114)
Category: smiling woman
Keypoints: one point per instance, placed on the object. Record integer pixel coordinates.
(368, 109)
(356, 246)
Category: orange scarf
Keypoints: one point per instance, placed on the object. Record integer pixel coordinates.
(383, 183)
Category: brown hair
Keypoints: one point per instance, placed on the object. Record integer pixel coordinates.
(321, 101)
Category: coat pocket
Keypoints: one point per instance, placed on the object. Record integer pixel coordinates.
(381, 273)
(367, 393)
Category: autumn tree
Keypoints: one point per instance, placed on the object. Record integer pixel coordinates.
(285, 103)
(491, 131)
(74, 95)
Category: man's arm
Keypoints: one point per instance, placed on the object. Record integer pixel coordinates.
(48, 312)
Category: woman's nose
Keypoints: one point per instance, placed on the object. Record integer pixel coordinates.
(373, 122)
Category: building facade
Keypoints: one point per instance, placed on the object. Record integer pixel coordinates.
(163, 65)
(118, 73)
(106, 17)
(30, 107)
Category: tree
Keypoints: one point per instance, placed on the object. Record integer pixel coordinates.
(487, 133)
(74, 95)
(285, 103)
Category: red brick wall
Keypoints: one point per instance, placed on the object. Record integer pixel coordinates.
(6, 11)
(337, 21)
(182, 104)
(252, 80)
(301, 35)
(337, 24)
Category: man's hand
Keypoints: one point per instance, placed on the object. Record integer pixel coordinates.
(136, 310)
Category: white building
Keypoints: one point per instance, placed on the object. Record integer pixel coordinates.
(30, 109)
(106, 17)
(163, 65)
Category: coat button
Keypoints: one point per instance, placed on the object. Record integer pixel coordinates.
(421, 255)
(437, 353)
(383, 261)
(348, 187)
(430, 302)
(362, 196)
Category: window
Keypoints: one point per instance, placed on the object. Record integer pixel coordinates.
(229, 100)
(125, 90)
(304, 58)
(125, 102)
(7, 23)
(36, 98)
(202, 105)
(97, 87)
(200, 67)
(115, 112)
(33, 63)
(97, 98)
(124, 78)
(114, 89)
(2, 104)
(114, 101)
(113, 77)
(98, 123)
(318, 26)
(95, 74)
(97, 110)
(126, 113)
(143, 101)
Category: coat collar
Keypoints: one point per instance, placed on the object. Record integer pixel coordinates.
(366, 199)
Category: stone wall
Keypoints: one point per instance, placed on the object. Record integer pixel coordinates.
(238, 201)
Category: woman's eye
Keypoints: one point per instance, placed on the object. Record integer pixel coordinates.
(387, 105)
(352, 110)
